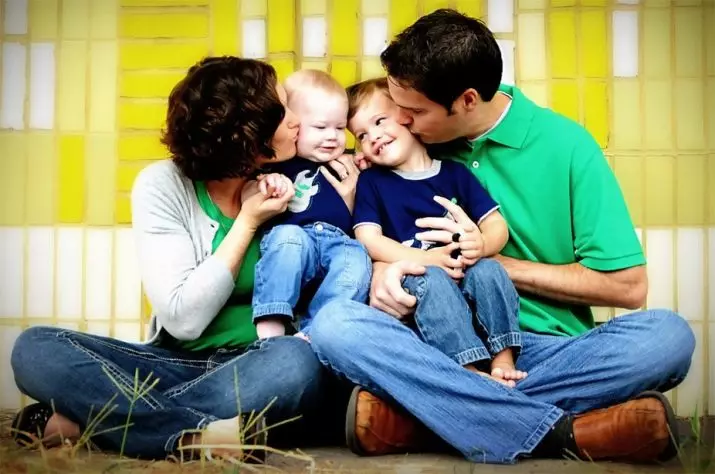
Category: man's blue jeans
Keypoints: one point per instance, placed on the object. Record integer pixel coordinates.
(72, 371)
(483, 419)
(293, 257)
(468, 333)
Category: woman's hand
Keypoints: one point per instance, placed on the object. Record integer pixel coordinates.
(257, 207)
(460, 227)
(348, 172)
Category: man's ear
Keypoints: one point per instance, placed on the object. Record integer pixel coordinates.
(468, 100)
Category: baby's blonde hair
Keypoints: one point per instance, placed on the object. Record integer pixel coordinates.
(312, 79)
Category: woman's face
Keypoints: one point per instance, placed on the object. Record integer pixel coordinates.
(284, 139)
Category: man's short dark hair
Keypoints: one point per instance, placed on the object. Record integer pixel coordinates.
(222, 116)
(443, 54)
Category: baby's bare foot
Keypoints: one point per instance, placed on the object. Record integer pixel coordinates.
(501, 380)
(508, 373)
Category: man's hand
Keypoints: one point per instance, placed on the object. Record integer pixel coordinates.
(386, 292)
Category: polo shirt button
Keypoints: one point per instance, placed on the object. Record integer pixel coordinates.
(475, 164)
(319, 227)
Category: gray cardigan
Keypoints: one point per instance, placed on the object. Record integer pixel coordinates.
(186, 285)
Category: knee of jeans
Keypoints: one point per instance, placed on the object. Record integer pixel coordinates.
(487, 269)
(674, 335)
(332, 329)
(285, 234)
(435, 280)
(30, 349)
(303, 374)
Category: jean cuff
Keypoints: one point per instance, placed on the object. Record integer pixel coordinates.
(472, 355)
(499, 343)
(272, 309)
(171, 446)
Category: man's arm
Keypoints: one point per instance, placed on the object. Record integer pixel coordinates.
(574, 283)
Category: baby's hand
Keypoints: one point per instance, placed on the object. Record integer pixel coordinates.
(273, 184)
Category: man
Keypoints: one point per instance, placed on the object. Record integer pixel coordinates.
(595, 393)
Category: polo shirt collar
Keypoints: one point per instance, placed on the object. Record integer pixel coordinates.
(513, 128)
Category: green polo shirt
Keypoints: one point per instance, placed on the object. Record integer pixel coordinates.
(559, 197)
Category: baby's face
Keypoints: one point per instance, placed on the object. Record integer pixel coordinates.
(323, 118)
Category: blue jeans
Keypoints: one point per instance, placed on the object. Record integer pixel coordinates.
(468, 333)
(293, 257)
(70, 370)
(481, 418)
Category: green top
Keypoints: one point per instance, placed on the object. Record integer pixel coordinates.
(233, 325)
(559, 197)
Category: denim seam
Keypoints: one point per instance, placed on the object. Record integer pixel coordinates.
(499, 343)
(175, 437)
(468, 356)
(265, 309)
(148, 398)
(194, 363)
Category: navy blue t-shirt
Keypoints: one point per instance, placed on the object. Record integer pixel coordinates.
(315, 200)
(394, 199)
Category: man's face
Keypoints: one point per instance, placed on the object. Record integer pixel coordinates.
(426, 119)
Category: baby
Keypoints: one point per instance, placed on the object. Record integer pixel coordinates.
(311, 244)
(408, 185)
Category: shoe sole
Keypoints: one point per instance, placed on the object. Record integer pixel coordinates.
(351, 425)
(672, 449)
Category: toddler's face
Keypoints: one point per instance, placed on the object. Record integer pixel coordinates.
(323, 118)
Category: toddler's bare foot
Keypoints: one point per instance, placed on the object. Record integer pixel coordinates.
(503, 381)
(503, 367)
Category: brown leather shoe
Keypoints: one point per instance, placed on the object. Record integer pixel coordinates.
(639, 430)
(374, 427)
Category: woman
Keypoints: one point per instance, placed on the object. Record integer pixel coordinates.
(197, 248)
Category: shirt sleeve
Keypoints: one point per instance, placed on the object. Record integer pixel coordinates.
(604, 235)
(367, 201)
(476, 201)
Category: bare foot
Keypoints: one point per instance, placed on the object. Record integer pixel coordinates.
(58, 429)
(503, 367)
(501, 380)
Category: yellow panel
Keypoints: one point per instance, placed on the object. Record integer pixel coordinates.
(563, 3)
(472, 8)
(318, 65)
(13, 178)
(101, 168)
(564, 99)
(431, 5)
(71, 179)
(141, 147)
(596, 111)
(659, 192)
(225, 27)
(689, 114)
(146, 308)
(532, 4)
(41, 190)
(163, 25)
(283, 66)
(594, 3)
(531, 46)
(710, 41)
(349, 140)
(711, 186)
(657, 3)
(103, 23)
(691, 180)
(142, 115)
(75, 19)
(251, 8)
(43, 16)
(127, 173)
(375, 7)
(345, 20)
(312, 7)
(344, 71)
(123, 210)
(562, 31)
(594, 45)
(72, 67)
(158, 55)
(711, 114)
(629, 171)
(402, 14)
(689, 42)
(162, 3)
(656, 42)
(145, 84)
(371, 68)
(103, 86)
(626, 132)
(658, 115)
(537, 92)
(281, 26)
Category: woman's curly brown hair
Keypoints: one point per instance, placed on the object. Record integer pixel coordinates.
(221, 117)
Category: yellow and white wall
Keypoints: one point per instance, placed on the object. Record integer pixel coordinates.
(82, 97)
